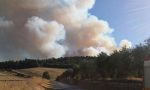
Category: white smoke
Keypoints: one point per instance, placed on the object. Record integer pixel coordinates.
(52, 28)
(90, 51)
(125, 44)
(44, 35)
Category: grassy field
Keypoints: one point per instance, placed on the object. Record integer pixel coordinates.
(27, 84)
(9, 80)
(53, 72)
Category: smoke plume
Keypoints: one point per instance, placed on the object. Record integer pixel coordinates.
(52, 28)
(125, 44)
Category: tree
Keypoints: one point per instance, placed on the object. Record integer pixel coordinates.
(88, 69)
(121, 61)
(140, 52)
(147, 41)
(102, 65)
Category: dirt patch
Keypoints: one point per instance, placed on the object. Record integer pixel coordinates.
(37, 83)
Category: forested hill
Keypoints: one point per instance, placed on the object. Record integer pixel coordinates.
(63, 62)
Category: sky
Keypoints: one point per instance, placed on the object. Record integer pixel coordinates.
(64, 28)
(130, 19)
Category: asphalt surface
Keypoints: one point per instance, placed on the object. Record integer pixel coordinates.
(61, 86)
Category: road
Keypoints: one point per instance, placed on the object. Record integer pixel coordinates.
(61, 86)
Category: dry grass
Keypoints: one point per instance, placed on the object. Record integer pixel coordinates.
(8, 81)
(38, 83)
(53, 72)
(14, 85)
(11, 78)
(147, 89)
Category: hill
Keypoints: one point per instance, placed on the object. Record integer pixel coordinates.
(53, 72)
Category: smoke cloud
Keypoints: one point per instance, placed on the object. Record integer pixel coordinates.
(52, 28)
(125, 44)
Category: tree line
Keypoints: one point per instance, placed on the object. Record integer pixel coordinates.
(120, 64)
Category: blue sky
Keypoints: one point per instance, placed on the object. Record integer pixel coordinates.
(129, 18)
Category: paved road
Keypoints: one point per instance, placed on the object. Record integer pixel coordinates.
(61, 86)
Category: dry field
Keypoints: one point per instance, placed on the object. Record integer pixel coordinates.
(9, 80)
(27, 84)
(53, 72)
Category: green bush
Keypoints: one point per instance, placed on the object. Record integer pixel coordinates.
(46, 75)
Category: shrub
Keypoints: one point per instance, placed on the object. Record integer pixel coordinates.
(46, 75)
